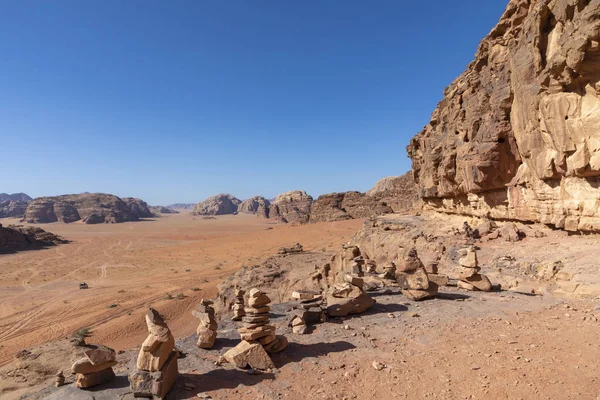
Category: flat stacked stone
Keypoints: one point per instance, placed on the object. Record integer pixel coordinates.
(207, 329)
(95, 368)
(309, 310)
(433, 274)
(389, 271)
(371, 267)
(357, 266)
(238, 305)
(413, 279)
(157, 360)
(469, 277)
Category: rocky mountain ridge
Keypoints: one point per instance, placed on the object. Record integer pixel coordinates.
(14, 197)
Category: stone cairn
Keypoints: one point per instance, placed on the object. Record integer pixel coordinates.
(207, 329)
(413, 279)
(433, 274)
(371, 267)
(95, 368)
(238, 305)
(310, 310)
(389, 271)
(60, 379)
(469, 277)
(258, 336)
(356, 267)
(157, 360)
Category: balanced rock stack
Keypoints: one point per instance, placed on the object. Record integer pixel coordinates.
(434, 275)
(95, 368)
(207, 330)
(413, 279)
(238, 305)
(389, 271)
(356, 267)
(371, 267)
(157, 360)
(348, 297)
(469, 277)
(256, 323)
(309, 310)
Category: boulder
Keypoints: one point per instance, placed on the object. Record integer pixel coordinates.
(84, 381)
(219, 204)
(85, 366)
(249, 353)
(516, 135)
(346, 299)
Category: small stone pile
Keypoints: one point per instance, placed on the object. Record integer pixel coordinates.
(413, 278)
(434, 275)
(389, 271)
(207, 330)
(356, 267)
(60, 379)
(238, 305)
(371, 267)
(297, 248)
(469, 277)
(309, 310)
(258, 336)
(157, 360)
(95, 368)
(348, 297)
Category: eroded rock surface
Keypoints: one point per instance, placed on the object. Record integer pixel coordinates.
(90, 208)
(219, 204)
(17, 238)
(517, 135)
(347, 205)
(12, 209)
(256, 205)
(294, 206)
(397, 192)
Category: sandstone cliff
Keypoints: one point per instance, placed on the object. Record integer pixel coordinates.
(90, 208)
(398, 192)
(293, 207)
(347, 205)
(12, 209)
(15, 197)
(138, 207)
(162, 210)
(219, 204)
(517, 135)
(256, 205)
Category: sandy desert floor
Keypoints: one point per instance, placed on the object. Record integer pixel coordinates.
(170, 262)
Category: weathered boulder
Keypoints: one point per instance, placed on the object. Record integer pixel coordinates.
(345, 299)
(517, 135)
(398, 192)
(294, 206)
(256, 205)
(347, 205)
(219, 204)
(90, 208)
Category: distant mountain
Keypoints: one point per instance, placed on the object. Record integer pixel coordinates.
(15, 197)
(182, 206)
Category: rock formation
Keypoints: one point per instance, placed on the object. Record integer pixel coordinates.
(15, 197)
(95, 368)
(238, 305)
(517, 135)
(157, 360)
(181, 206)
(12, 209)
(347, 298)
(90, 208)
(162, 210)
(17, 238)
(469, 277)
(207, 330)
(256, 205)
(292, 207)
(413, 279)
(138, 207)
(219, 204)
(310, 310)
(397, 192)
(348, 205)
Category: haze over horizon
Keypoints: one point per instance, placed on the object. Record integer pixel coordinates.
(175, 102)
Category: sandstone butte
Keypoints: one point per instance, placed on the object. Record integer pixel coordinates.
(517, 135)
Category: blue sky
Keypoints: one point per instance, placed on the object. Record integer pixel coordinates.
(174, 101)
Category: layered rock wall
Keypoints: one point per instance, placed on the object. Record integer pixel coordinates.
(517, 135)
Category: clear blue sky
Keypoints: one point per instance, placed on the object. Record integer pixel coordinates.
(174, 101)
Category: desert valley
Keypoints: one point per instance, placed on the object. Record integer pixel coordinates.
(475, 275)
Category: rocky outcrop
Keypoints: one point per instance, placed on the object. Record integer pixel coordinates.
(398, 192)
(292, 207)
(90, 208)
(517, 135)
(162, 210)
(219, 204)
(12, 209)
(18, 238)
(348, 205)
(138, 207)
(181, 206)
(15, 197)
(256, 205)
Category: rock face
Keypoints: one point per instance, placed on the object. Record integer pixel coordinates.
(348, 205)
(220, 204)
(517, 135)
(162, 210)
(90, 208)
(15, 197)
(256, 205)
(17, 238)
(12, 209)
(397, 192)
(294, 206)
(138, 207)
